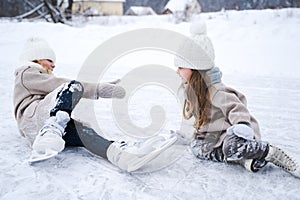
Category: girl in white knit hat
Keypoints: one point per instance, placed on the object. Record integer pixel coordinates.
(43, 104)
(224, 129)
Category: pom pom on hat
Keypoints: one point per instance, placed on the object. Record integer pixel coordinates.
(198, 28)
(197, 52)
(37, 49)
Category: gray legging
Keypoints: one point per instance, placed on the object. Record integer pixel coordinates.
(233, 148)
(78, 134)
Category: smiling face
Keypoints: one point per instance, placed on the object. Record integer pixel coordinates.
(47, 64)
(184, 73)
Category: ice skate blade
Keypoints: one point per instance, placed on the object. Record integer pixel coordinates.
(37, 157)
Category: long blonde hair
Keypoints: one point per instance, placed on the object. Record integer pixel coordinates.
(197, 102)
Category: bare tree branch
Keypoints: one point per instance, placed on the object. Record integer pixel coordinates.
(30, 12)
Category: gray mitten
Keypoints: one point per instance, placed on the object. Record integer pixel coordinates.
(111, 90)
(241, 130)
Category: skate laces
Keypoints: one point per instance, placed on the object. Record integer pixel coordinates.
(51, 126)
(56, 124)
(281, 159)
(137, 147)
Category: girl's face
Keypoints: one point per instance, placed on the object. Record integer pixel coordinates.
(184, 73)
(47, 64)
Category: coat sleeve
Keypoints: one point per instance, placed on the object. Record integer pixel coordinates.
(233, 106)
(38, 82)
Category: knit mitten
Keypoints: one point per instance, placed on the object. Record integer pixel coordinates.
(241, 130)
(110, 90)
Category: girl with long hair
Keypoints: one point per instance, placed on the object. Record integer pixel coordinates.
(225, 131)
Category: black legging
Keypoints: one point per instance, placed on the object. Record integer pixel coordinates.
(78, 134)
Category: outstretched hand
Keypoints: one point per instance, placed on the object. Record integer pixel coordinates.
(111, 90)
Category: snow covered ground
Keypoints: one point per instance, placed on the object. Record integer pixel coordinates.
(258, 52)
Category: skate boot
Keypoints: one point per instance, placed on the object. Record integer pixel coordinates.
(49, 142)
(130, 157)
(281, 159)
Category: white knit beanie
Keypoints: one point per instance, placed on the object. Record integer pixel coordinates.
(37, 49)
(198, 51)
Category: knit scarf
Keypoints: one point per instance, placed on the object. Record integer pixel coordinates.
(213, 76)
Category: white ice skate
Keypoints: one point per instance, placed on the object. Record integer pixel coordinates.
(131, 157)
(48, 143)
(281, 159)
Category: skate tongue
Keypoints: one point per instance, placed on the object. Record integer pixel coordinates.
(37, 156)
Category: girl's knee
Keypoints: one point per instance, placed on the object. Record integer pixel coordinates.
(68, 97)
(233, 148)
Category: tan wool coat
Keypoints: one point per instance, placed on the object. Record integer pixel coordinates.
(35, 93)
(229, 107)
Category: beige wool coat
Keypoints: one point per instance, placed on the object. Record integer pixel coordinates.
(229, 107)
(35, 93)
